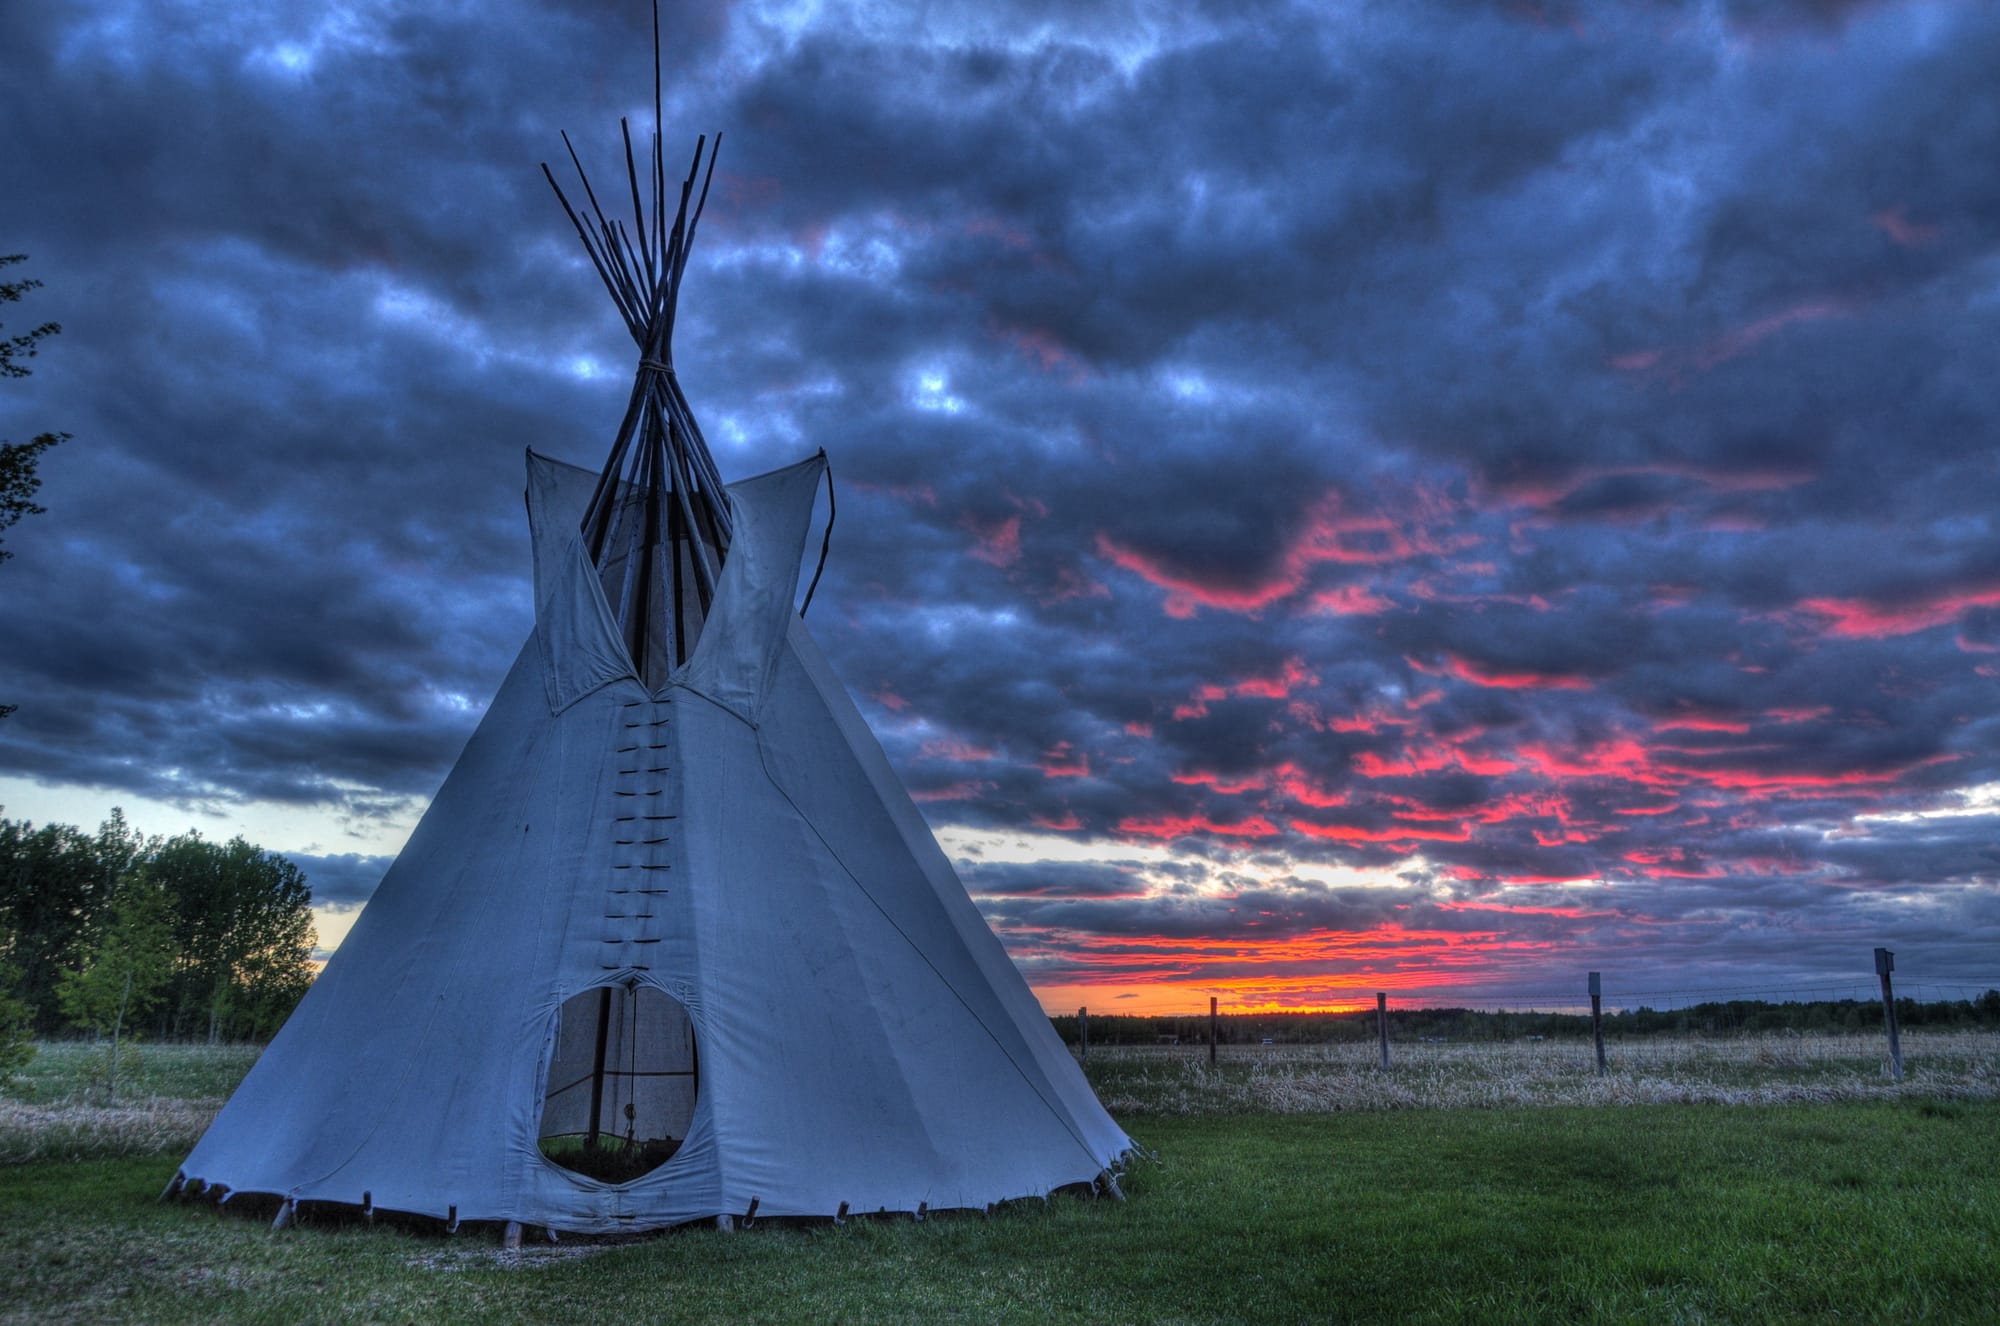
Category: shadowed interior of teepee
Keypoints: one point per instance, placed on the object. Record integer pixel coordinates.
(659, 523)
(622, 1082)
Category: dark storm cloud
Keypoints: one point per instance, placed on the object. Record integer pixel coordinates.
(343, 881)
(1513, 450)
(1075, 880)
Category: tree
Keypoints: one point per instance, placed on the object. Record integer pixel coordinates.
(128, 968)
(18, 460)
(17, 1028)
(243, 930)
(55, 883)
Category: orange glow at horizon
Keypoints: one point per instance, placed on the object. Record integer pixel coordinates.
(1239, 995)
(1190, 999)
(1318, 971)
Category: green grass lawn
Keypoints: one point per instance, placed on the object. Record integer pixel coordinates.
(1871, 1210)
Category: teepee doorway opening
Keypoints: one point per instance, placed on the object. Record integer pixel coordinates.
(622, 1082)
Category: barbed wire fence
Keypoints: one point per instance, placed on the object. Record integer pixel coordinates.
(1415, 1020)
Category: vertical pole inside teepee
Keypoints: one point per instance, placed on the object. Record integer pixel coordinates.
(677, 531)
(597, 1066)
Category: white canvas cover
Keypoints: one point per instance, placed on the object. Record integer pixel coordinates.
(735, 841)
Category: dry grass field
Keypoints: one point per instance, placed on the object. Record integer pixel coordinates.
(1656, 1070)
(54, 1111)
(55, 1108)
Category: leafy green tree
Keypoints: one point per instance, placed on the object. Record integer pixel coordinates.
(18, 460)
(243, 930)
(128, 967)
(240, 919)
(17, 1029)
(55, 882)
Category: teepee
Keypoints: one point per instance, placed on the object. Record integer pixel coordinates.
(672, 943)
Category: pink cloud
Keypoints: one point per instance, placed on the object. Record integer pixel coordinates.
(1328, 534)
(952, 748)
(1219, 783)
(1292, 676)
(1875, 620)
(1060, 761)
(1181, 826)
(997, 543)
(1348, 601)
(1731, 344)
(1046, 352)
(1295, 783)
(1482, 674)
(1896, 224)
(1349, 833)
(963, 791)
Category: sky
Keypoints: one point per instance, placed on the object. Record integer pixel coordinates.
(1433, 498)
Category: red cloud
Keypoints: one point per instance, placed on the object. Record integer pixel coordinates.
(1546, 492)
(1226, 786)
(1059, 761)
(1498, 810)
(1348, 601)
(1414, 760)
(1180, 826)
(1700, 723)
(1430, 757)
(1480, 674)
(1801, 784)
(1185, 594)
(1293, 675)
(1876, 620)
(1515, 909)
(1806, 715)
(1327, 535)
(1294, 783)
(1349, 833)
(997, 543)
(1626, 760)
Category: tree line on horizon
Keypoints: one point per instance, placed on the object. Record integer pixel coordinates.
(172, 938)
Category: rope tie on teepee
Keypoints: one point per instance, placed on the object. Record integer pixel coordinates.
(656, 366)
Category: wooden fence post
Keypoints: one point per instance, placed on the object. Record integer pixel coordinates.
(1382, 1023)
(1211, 1028)
(1885, 962)
(1597, 1017)
(1083, 1033)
